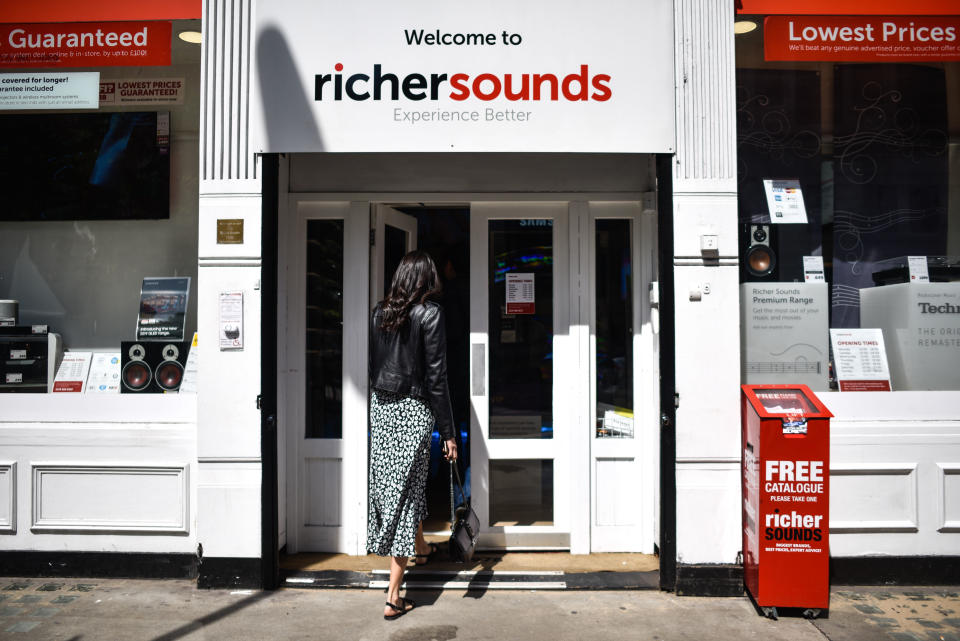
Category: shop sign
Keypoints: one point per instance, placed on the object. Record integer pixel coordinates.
(85, 44)
(862, 38)
(49, 90)
(521, 296)
(418, 76)
(142, 91)
(847, 7)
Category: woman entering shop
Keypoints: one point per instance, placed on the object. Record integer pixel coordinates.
(409, 392)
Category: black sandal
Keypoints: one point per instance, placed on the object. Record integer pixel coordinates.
(399, 611)
(434, 548)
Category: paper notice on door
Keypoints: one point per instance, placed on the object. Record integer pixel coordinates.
(72, 375)
(860, 360)
(785, 202)
(520, 294)
(231, 320)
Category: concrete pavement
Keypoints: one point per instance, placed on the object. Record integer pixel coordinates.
(133, 610)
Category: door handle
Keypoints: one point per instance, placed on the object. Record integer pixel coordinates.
(479, 369)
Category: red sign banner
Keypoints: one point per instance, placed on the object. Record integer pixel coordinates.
(864, 386)
(85, 44)
(848, 7)
(862, 39)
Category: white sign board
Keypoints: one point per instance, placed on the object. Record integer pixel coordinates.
(860, 360)
(50, 90)
(784, 334)
(921, 329)
(497, 76)
(104, 373)
(142, 91)
(785, 202)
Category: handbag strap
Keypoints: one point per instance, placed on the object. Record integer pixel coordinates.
(456, 475)
(453, 507)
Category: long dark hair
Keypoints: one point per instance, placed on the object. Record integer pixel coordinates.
(413, 283)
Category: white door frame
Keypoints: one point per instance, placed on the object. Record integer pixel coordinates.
(381, 216)
(574, 514)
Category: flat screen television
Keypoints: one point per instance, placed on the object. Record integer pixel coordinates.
(85, 166)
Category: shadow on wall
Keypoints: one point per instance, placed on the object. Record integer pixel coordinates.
(289, 119)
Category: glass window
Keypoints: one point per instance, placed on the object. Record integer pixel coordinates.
(614, 329)
(521, 492)
(324, 328)
(521, 328)
(873, 148)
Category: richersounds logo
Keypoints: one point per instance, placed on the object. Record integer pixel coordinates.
(578, 86)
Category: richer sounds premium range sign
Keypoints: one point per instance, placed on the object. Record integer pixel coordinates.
(422, 76)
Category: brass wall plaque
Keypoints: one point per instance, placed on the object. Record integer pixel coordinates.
(230, 231)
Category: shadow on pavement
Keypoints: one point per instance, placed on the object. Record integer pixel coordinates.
(226, 611)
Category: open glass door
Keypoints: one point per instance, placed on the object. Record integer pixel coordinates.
(394, 234)
(521, 362)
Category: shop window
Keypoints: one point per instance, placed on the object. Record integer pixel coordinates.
(874, 150)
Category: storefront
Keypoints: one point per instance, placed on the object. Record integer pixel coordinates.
(856, 110)
(586, 179)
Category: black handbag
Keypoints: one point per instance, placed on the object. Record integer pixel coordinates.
(466, 525)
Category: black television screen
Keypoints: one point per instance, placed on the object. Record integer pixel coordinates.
(85, 166)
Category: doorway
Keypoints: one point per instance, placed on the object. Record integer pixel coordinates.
(551, 359)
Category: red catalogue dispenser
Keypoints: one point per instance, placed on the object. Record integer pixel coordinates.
(786, 498)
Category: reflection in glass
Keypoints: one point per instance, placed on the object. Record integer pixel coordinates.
(324, 329)
(521, 492)
(521, 342)
(614, 314)
(394, 249)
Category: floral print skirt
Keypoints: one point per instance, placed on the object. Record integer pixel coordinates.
(400, 428)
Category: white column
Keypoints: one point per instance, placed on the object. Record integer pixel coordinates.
(707, 291)
(228, 447)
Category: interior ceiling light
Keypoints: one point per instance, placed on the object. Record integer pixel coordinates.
(742, 26)
(193, 37)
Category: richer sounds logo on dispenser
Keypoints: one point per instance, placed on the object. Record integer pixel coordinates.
(384, 84)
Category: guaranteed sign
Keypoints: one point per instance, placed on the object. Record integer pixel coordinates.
(85, 44)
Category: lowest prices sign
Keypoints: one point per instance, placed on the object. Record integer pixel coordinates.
(862, 38)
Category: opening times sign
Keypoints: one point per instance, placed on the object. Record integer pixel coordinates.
(862, 38)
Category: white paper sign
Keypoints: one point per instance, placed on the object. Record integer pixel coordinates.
(189, 384)
(231, 320)
(917, 265)
(142, 91)
(813, 269)
(860, 360)
(104, 373)
(785, 202)
(72, 375)
(521, 294)
(50, 90)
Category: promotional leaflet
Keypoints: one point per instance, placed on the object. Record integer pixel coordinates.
(163, 308)
(231, 321)
(49, 90)
(72, 375)
(104, 375)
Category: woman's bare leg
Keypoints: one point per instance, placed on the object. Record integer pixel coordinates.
(420, 544)
(397, 565)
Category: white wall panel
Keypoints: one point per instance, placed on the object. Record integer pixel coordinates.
(708, 363)
(228, 494)
(614, 505)
(708, 512)
(949, 497)
(110, 498)
(8, 496)
(873, 497)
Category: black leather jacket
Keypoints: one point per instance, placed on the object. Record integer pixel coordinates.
(414, 361)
